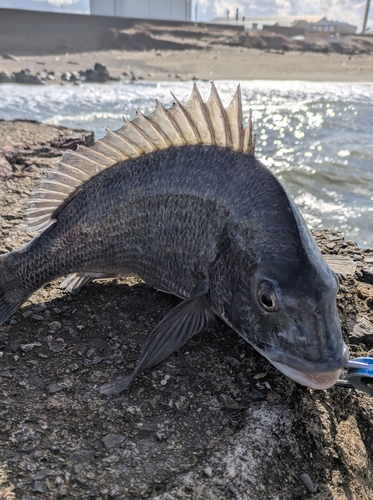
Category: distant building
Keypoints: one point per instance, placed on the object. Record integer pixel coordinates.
(291, 25)
(172, 10)
(333, 27)
(257, 23)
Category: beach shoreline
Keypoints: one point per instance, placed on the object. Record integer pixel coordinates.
(216, 63)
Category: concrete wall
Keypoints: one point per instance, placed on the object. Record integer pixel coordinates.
(25, 32)
(173, 10)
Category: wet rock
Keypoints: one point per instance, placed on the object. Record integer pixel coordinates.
(5, 77)
(66, 76)
(99, 74)
(73, 76)
(26, 77)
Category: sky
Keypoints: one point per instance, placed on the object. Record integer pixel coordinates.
(351, 11)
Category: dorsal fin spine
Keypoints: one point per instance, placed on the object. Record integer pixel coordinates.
(195, 122)
(141, 133)
(164, 139)
(160, 132)
(60, 165)
(167, 116)
(190, 121)
(204, 112)
(84, 157)
(110, 133)
(125, 140)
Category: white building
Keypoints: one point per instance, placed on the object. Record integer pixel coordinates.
(172, 10)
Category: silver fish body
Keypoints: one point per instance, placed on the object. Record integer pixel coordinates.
(211, 225)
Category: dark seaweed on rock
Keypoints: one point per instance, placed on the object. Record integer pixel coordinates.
(178, 198)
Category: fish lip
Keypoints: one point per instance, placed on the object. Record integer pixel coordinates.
(277, 356)
(314, 375)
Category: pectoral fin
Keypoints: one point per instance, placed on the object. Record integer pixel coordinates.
(188, 318)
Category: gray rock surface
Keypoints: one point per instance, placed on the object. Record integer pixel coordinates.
(26, 77)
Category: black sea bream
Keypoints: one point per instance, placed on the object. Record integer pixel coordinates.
(178, 198)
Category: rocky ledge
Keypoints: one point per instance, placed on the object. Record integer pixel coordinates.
(214, 421)
(99, 74)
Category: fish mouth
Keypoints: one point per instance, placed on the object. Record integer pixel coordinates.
(308, 373)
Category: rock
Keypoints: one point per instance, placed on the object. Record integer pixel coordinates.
(362, 333)
(5, 77)
(112, 440)
(75, 76)
(26, 77)
(99, 74)
(306, 480)
(55, 345)
(208, 471)
(39, 487)
(5, 167)
(368, 274)
(341, 264)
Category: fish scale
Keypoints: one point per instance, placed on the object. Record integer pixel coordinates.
(179, 199)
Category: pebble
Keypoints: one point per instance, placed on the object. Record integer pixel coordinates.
(37, 317)
(112, 440)
(55, 345)
(54, 325)
(208, 471)
(29, 347)
(306, 480)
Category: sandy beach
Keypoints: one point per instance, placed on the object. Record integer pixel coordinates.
(217, 63)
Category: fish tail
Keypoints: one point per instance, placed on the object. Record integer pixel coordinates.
(10, 297)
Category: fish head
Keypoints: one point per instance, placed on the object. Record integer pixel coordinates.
(297, 327)
(290, 310)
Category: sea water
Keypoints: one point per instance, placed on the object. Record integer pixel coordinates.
(316, 137)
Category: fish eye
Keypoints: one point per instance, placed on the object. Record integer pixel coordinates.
(267, 297)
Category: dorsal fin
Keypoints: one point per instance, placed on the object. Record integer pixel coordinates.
(195, 122)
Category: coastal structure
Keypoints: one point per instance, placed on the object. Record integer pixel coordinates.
(171, 10)
(291, 25)
(253, 23)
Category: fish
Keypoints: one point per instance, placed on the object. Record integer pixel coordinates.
(179, 198)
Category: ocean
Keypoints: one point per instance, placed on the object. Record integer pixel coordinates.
(316, 137)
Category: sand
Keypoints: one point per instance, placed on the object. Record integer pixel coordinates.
(216, 63)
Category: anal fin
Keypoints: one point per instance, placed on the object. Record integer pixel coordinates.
(190, 317)
(75, 282)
